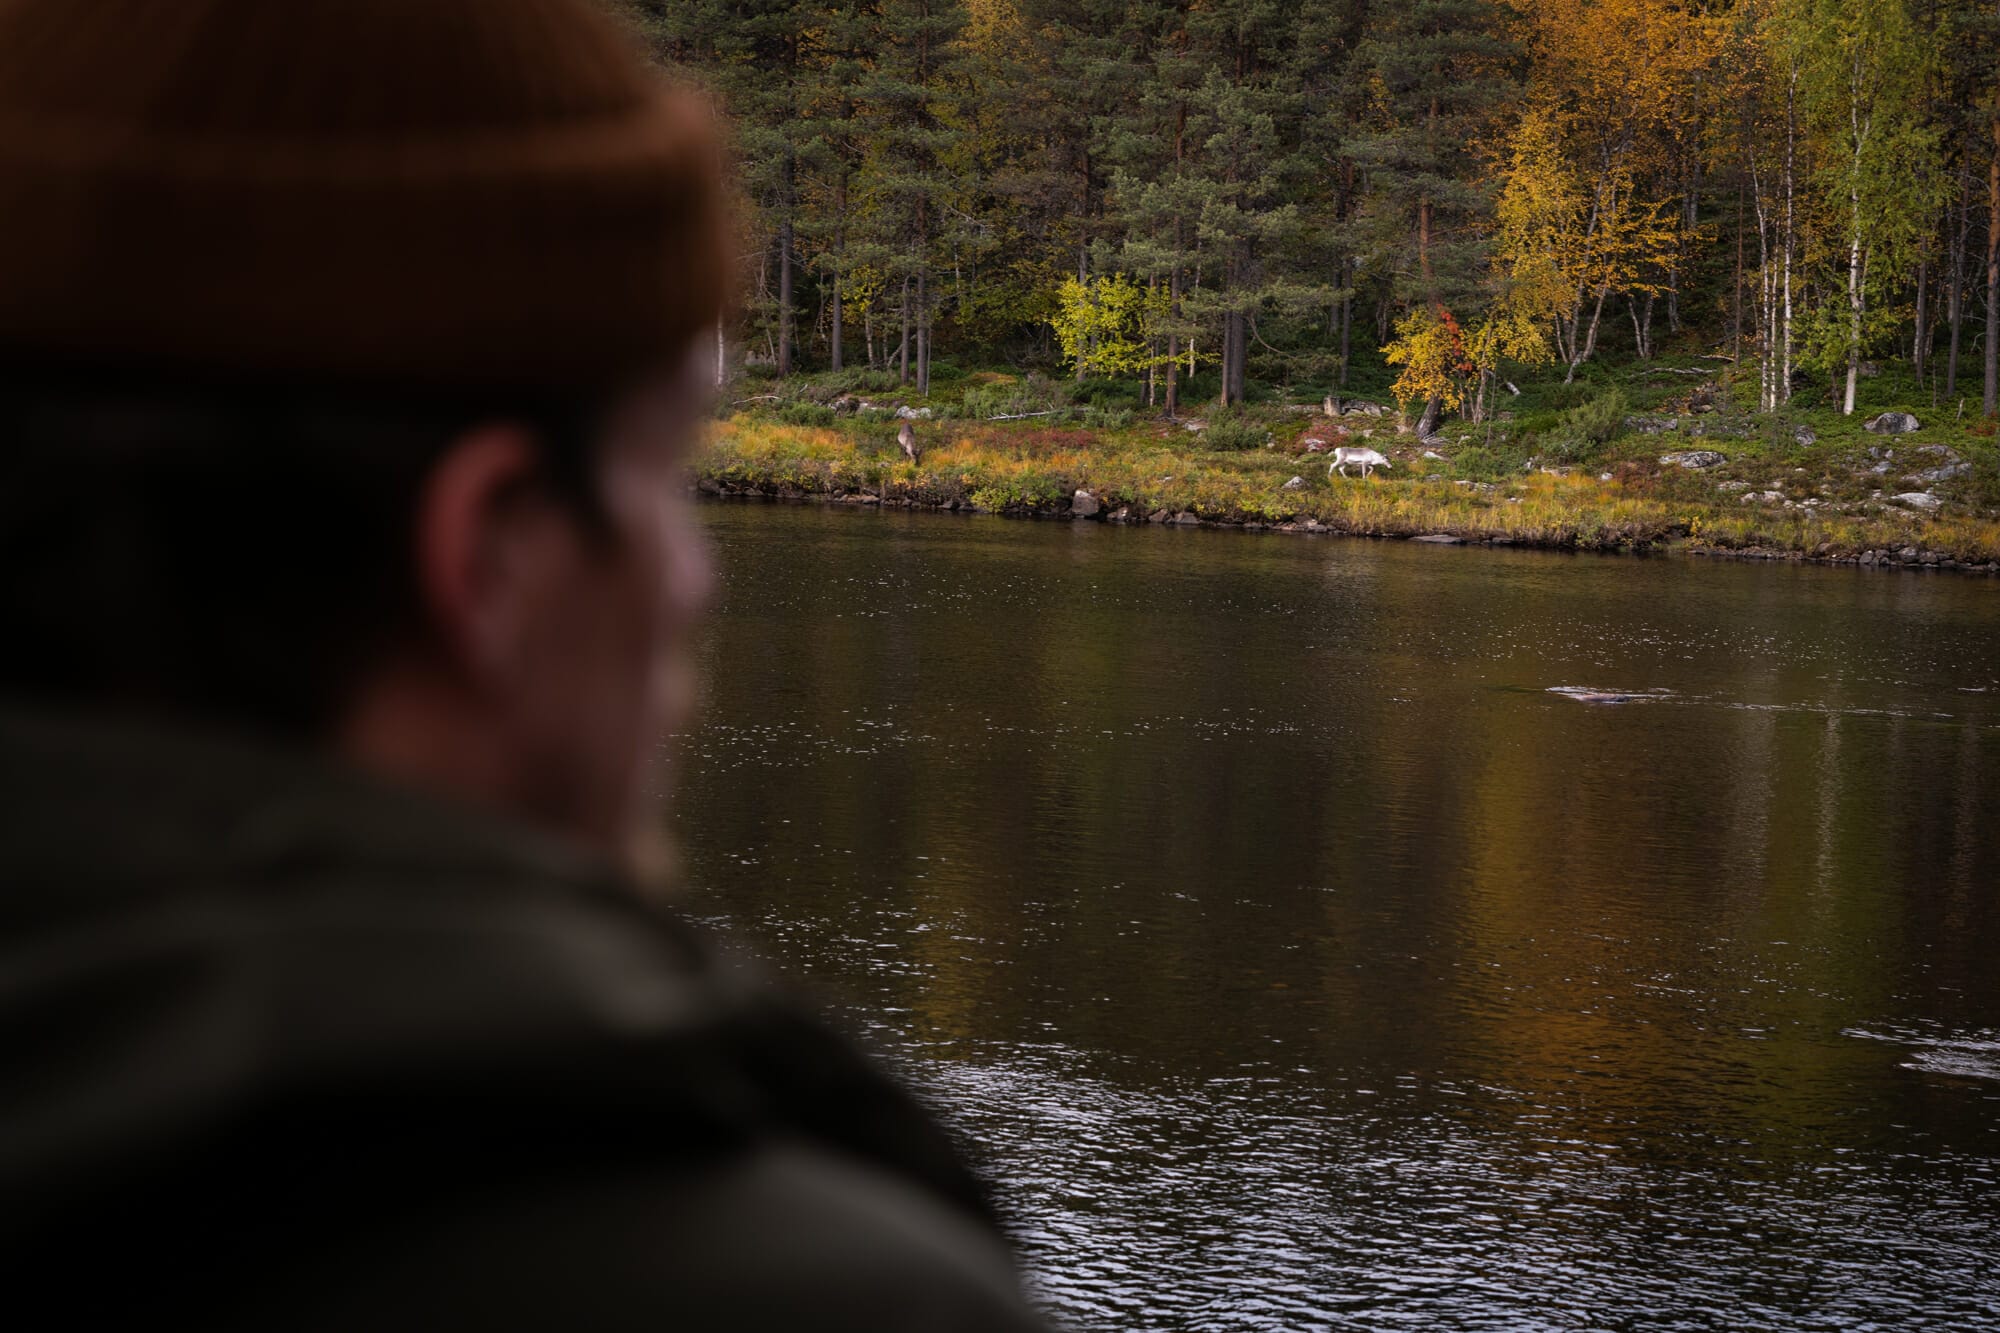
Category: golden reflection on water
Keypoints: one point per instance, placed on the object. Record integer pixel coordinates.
(1075, 817)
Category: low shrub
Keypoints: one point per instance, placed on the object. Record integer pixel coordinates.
(1560, 396)
(1036, 393)
(1106, 393)
(1587, 428)
(1476, 462)
(803, 413)
(1229, 431)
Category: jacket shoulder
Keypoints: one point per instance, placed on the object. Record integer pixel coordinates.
(781, 1236)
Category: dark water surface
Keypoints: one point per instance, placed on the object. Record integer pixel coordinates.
(1297, 957)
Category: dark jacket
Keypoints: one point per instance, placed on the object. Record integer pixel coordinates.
(283, 1048)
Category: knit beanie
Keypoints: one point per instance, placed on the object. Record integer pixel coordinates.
(457, 195)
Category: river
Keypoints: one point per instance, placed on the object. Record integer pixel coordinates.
(1298, 946)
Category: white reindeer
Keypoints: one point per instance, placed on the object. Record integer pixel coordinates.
(1344, 455)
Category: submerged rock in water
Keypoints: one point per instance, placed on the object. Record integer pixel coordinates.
(1893, 423)
(1584, 694)
(1440, 539)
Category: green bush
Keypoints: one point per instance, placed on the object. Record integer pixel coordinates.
(1036, 393)
(1227, 431)
(1107, 418)
(1106, 393)
(805, 414)
(1585, 429)
(1565, 395)
(945, 372)
(1478, 463)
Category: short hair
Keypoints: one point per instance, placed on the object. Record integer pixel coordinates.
(234, 552)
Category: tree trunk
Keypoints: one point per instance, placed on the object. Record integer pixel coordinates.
(1642, 325)
(1083, 279)
(721, 355)
(1235, 343)
(1736, 289)
(785, 315)
(1583, 353)
(1854, 300)
(1992, 399)
(1917, 347)
(923, 332)
(1954, 296)
(1791, 161)
(836, 319)
(903, 349)
(1427, 424)
(1174, 338)
(1346, 321)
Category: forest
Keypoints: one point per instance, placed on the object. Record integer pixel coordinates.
(1205, 195)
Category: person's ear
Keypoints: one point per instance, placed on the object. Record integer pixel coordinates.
(483, 545)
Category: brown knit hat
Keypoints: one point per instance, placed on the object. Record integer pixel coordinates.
(422, 194)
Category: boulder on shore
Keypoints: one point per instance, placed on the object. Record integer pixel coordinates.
(1694, 458)
(1923, 500)
(1893, 423)
(1084, 505)
(1295, 484)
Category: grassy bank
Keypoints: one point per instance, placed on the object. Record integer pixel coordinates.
(1570, 466)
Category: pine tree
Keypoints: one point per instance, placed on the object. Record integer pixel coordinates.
(758, 58)
(1440, 70)
(906, 90)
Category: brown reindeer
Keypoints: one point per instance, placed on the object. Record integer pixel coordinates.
(907, 438)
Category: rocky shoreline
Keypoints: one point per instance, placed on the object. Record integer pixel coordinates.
(1085, 506)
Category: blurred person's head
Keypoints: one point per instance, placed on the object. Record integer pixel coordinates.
(347, 358)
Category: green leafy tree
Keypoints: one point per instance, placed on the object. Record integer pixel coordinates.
(1865, 66)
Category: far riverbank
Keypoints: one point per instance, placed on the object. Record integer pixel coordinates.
(1819, 506)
